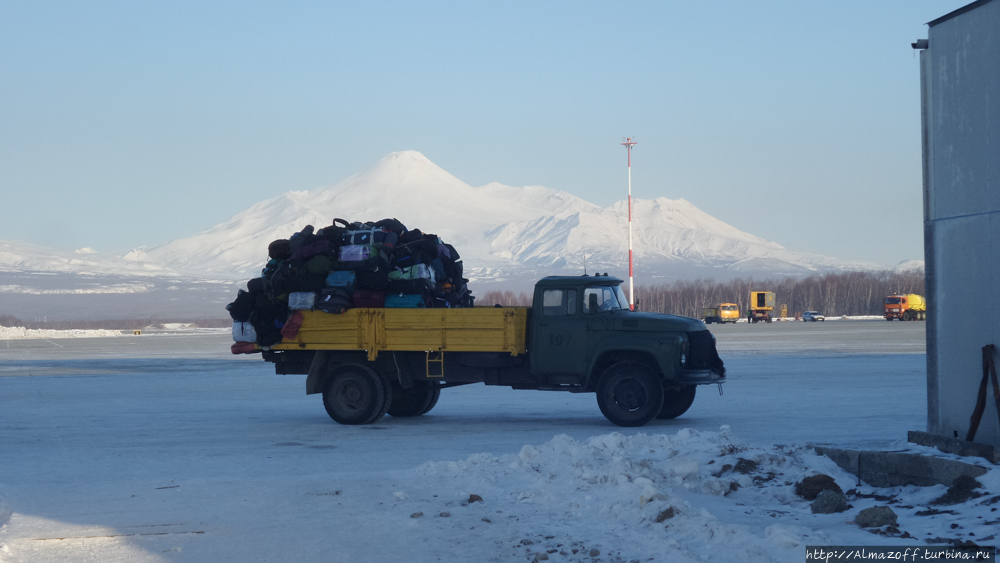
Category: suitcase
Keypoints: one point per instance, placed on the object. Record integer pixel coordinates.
(379, 238)
(346, 280)
(416, 271)
(367, 298)
(361, 257)
(301, 301)
(405, 302)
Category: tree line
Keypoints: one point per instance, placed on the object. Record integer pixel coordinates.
(848, 293)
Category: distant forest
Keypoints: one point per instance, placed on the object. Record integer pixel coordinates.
(850, 293)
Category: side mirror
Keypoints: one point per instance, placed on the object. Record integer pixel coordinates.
(592, 303)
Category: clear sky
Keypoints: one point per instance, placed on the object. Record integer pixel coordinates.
(132, 123)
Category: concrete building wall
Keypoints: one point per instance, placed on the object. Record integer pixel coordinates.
(960, 79)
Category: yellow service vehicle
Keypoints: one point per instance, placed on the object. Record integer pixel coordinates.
(579, 336)
(761, 306)
(910, 307)
(721, 313)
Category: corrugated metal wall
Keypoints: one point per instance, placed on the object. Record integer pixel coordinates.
(960, 78)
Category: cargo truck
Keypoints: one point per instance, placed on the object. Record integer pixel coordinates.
(578, 336)
(721, 313)
(910, 307)
(761, 306)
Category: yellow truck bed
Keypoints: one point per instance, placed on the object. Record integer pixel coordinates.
(477, 329)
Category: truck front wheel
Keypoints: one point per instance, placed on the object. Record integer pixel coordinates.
(629, 394)
(676, 402)
(355, 394)
(415, 401)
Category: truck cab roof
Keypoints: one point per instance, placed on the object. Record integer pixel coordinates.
(562, 281)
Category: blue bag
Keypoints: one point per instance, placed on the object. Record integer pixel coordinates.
(342, 280)
(405, 302)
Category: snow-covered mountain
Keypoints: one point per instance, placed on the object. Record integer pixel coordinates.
(503, 232)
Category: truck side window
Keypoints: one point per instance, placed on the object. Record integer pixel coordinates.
(558, 302)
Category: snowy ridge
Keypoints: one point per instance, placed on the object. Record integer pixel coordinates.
(17, 256)
(501, 231)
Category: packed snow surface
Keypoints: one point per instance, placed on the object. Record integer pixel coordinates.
(169, 449)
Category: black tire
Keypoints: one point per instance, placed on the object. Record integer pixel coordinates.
(676, 402)
(435, 395)
(413, 401)
(355, 394)
(630, 394)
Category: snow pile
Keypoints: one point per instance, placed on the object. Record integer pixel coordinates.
(21, 333)
(692, 496)
(629, 498)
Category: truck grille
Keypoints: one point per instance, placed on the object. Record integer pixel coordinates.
(702, 353)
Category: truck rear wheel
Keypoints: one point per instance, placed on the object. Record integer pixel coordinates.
(355, 394)
(629, 394)
(435, 395)
(676, 402)
(414, 401)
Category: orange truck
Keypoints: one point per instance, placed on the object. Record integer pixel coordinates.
(721, 313)
(910, 307)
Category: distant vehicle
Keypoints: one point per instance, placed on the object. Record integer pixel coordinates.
(761, 306)
(812, 316)
(721, 313)
(910, 307)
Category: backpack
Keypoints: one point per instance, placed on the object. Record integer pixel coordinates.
(242, 307)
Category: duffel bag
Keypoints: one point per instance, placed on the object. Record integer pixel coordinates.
(319, 246)
(393, 225)
(244, 332)
(299, 239)
(405, 302)
(256, 285)
(418, 285)
(279, 250)
(334, 300)
(374, 276)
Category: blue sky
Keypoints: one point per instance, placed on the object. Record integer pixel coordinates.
(125, 124)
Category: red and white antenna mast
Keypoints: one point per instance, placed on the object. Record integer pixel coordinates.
(628, 143)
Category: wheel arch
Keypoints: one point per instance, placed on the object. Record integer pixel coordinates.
(608, 358)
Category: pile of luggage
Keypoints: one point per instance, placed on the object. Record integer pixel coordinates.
(374, 264)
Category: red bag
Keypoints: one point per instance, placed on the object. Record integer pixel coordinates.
(243, 348)
(369, 298)
(292, 325)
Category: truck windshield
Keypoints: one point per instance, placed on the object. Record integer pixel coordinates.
(729, 307)
(892, 300)
(609, 298)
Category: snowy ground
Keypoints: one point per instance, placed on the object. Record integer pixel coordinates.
(169, 449)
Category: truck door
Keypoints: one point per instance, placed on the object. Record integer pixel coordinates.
(560, 334)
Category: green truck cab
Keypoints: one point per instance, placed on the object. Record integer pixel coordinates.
(579, 336)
